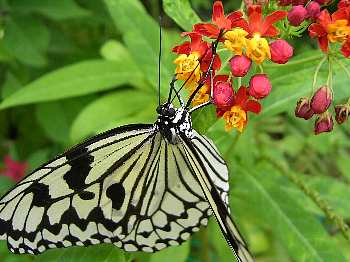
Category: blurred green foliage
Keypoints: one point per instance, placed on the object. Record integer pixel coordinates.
(70, 69)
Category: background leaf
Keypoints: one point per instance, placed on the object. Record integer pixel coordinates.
(74, 80)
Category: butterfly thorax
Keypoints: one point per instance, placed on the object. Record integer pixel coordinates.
(173, 121)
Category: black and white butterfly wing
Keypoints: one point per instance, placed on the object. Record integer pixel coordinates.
(204, 159)
(128, 186)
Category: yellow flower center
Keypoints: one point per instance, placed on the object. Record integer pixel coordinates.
(188, 68)
(202, 96)
(258, 49)
(235, 40)
(338, 31)
(235, 118)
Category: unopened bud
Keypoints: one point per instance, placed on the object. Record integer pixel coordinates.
(321, 100)
(297, 15)
(324, 123)
(303, 109)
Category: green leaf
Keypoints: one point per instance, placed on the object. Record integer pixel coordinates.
(141, 36)
(204, 118)
(27, 40)
(5, 184)
(54, 9)
(102, 252)
(10, 86)
(172, 254)
(115, 51)
(269, 204)
(57, 128)
(182, 13)
(111, 107)
(75, 80)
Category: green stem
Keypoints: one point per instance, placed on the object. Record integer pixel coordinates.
(298, 62)
(242, 6)
(330, 72)
(261, 69)
(314, 82)
(239, 82)
(315, 197)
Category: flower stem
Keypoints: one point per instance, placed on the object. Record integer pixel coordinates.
(261, 69)
(330, 73)
(314, 82)
(315, 197)
(297, 62)
(239, 82)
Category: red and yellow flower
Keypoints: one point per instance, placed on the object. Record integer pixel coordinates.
(220, 22)
(332, 29)
(251, 35)
(194, 58)
(237, 115)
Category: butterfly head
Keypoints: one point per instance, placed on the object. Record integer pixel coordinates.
(172, 121)
(166, 111)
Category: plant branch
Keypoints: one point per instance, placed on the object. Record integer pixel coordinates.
(316, 198)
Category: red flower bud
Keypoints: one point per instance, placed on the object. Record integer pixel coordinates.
(223, 95)
(321, 100)
(240, 65)
(303, 109)
(281, 51)
(313, 10)
(324, 123)
(342, 113)
(297, 15)
(259, 86)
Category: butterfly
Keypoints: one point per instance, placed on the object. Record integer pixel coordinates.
(141, 187)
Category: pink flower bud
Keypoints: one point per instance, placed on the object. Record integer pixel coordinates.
(321, 100)
(324, 123)
(342, 113)
(303, 109)
(297, 15)
(223, 95)
(281, 51)
(240, 65)
(259, 86)
(313, 10)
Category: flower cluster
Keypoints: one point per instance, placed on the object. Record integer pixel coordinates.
(319, 105)
(333, 28)
(329, 29)
(250, 38)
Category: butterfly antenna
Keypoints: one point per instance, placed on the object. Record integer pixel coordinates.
(160, 48)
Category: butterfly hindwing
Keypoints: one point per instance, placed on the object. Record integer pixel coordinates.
(199, 151)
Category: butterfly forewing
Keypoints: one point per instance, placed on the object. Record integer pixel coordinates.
(129, 187)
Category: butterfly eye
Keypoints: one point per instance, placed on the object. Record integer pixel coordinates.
(159, 109)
